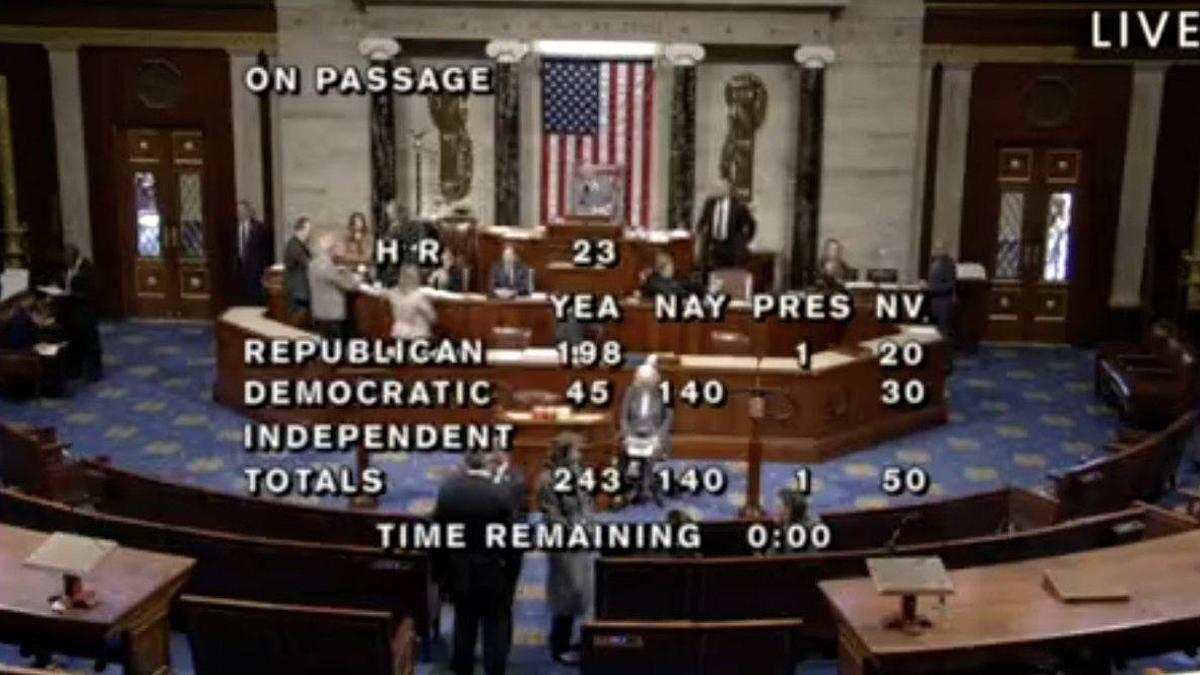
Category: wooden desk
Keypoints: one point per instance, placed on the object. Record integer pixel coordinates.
(135, 589)
(531, 442)
(835, 406)
(538, 247)
(473, 316)
(1002, 613)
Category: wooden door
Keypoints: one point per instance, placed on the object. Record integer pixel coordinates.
(1040, 211)
(164, 219)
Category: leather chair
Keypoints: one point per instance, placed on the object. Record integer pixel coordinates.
(510, 337)
(1152, 383)
(20, 371)
(733, 281)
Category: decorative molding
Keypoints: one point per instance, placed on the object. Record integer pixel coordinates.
(633, 5)
(814, 56)
(378, 48)
(54, 37)
(507, 51)
(691, 24)
(684, 53)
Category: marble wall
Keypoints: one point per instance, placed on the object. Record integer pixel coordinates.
(869, 189)
(871, 126)
(324, 141)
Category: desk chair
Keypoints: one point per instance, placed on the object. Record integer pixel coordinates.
(20, 370)
(737, 283)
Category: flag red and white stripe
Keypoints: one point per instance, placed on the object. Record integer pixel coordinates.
(597, 113)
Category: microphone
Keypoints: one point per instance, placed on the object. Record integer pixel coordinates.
(904, 522)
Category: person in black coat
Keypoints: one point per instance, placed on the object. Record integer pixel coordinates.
(943, 275)
(255, 253)
(510, 477)
(725, 229)
(478, 579)
(19, 328)
(296, 256)
(82, 319)
(569, 584)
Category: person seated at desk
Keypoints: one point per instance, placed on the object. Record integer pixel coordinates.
(645, 431)
(662, 279)
(328, 285)
(412, 312)
(832, 270)
(354, 251)
(451, 276)
(510, 277)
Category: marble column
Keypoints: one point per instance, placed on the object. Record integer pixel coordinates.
(810, 139)
(953, 124)
(682, 176)
(530, 88)
(507, 134)
(381, 51)
(74, 205)
(1137, 183)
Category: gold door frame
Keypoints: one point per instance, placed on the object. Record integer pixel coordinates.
(14, 246)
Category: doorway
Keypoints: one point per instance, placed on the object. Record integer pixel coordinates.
(1039, 214)
(163, 216)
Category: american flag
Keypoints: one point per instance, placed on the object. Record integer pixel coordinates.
(596, 113)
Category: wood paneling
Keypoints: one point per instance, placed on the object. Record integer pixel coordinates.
(27, 71)
(257, 16)
(1061, 23)
(1097, 125)
(111, 103)
(1173, 196)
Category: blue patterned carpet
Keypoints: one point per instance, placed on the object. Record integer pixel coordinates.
(1016, 414)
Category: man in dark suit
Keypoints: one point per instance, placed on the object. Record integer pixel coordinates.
(510, 477)
(510, 277)
(82, 320)
(19, 328)
(254, 254)
(296, 256)
(943, 275)
(478, 578)
(725, 229)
